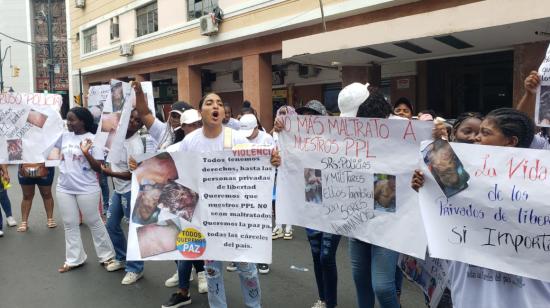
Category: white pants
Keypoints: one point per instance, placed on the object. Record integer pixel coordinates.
(69, 206)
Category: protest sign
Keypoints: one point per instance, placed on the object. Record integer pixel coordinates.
(500, 219)
(210, 206)
(542, 107)
(29, 125)
(98, 98)
(111, 131)
(351, 176)
(430, 275)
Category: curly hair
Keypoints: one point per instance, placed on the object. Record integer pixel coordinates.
(86, 117)
(375, 106)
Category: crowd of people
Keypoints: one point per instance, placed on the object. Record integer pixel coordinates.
(212, 127)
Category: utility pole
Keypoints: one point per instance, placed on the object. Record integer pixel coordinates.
(51, 71)
(2, 58)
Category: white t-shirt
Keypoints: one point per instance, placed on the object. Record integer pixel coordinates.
(130, 147)
(473, 286)
(263, 138)
(75, 174)
(197, 142)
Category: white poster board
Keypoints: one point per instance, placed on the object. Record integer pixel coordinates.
(30, 123)
(542, 107)
(489, 207)
(210, 206)
(351, 176)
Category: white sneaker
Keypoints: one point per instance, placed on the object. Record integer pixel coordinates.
(131, 277)
(203, 286)
(113, 265)
(1, 233)
(319, 304)
(277, 233)
(172, 281)
(11, 221)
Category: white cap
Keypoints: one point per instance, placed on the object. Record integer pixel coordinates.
(248, 124)
(351, 97)
(190, 116)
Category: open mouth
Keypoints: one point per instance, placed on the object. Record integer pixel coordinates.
(215, 115)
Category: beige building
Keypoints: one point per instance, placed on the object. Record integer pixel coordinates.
(450, 56)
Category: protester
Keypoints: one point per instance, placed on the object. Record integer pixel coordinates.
(277, 126)
(323, 245)
(119, 207)
(165, 134)
(228, 120)
(78, 190)
(213, 136)
(403, 108)
(510, 128)
(30, 176)
(4, 199)
(248, 109)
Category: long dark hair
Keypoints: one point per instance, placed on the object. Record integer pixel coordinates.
(86, 117)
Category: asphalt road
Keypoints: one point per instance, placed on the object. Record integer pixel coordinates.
(29, 277)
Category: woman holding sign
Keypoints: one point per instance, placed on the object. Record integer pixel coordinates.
(501, 127)
(78, 190)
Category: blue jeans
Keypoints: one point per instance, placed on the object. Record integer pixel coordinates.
(104, 184)
(184, 271)
(120, 207)
(373, 270)
(323, 250)
(6, 204)
(250, 284)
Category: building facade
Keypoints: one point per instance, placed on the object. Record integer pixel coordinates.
(443, 55)
(16, 38)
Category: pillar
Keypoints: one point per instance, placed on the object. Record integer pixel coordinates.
(257, 85)
(527, 58)
(189, 84)
(363, 74)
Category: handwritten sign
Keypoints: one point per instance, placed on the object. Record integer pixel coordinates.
(213, 206)
(542, 107)
(501, 219)
(351, 176)
(29, 125)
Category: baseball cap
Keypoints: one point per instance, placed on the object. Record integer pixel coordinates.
(313, 106)
(180, 107)
(190, 116)
(351, 97)
(248, 124)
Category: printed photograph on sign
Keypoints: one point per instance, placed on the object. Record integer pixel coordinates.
(15, 149)
(158, 238)
(178, 200)
(544, 106)
(36, 118)
(146, 210)
(109, 124)
(117, 96)
(446, 167)
(384, 192)
(415, 272)
(313, 186)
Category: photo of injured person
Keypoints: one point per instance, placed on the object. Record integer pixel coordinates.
(157, 238)
(37, 118)
(178, 200)
(384, 192)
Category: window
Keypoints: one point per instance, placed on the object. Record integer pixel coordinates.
(114, 28)
(147, 19)
(90, 39)
(197, 8)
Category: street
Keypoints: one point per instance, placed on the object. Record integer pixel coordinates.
(29, 276)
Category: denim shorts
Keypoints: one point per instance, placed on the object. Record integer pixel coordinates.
(44, 181)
